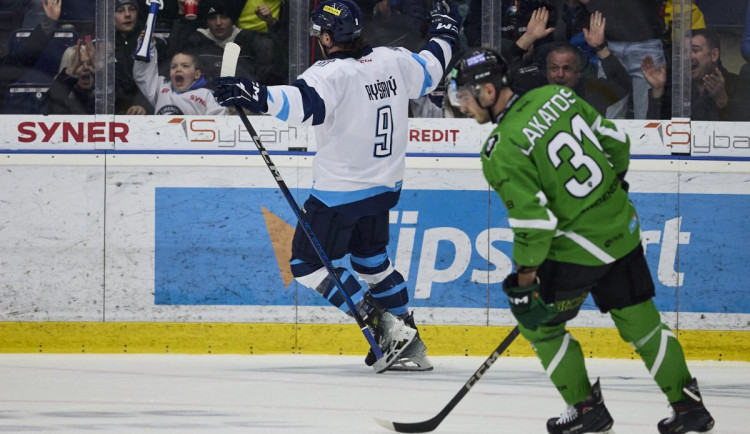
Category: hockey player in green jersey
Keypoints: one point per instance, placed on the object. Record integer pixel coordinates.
(559, 168)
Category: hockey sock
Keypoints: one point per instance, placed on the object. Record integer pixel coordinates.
(387, 285)
(391, 293)
(641, 326)
(562, 358)
(325, 285)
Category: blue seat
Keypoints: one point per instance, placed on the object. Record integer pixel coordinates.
(26, 98)
(46, 66)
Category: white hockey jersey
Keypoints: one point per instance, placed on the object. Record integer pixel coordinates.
(359, 110)
(166, 101)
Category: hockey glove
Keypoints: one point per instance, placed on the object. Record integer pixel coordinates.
(445, 21)
(526, 303)
(238, 91)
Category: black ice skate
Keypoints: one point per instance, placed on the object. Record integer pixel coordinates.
(589, 415)
(688, 415)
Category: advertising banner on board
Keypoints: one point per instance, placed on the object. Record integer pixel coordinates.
(216, 246)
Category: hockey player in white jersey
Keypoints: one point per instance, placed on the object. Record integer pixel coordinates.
(357, 102)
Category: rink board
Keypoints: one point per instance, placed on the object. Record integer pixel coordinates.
(111, 247)
(342, 339)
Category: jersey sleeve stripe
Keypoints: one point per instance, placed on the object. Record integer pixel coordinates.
(440, 49)
(613, 132)
(312, 103)
(284, 113)
(427, 83)
(296, 104)
(547, 225)
(588, 246)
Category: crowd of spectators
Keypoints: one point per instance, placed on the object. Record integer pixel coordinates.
(615, 55)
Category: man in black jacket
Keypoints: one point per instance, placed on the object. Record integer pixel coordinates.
(716, 94)
(564, 65)
(258, 58)
(714, 89)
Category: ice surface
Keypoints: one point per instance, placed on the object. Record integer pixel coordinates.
(132, 393)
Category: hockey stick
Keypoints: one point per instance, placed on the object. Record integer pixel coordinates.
(431, 424)
(228, 66)
(142, 53)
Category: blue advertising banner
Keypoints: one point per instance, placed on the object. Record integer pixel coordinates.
(231, 246)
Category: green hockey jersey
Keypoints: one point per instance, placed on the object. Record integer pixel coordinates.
(554, 161)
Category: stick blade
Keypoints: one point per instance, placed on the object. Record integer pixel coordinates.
(385, 424)
(415, 427)
(229, 59)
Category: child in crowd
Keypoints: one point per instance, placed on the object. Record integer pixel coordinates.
(183, 93)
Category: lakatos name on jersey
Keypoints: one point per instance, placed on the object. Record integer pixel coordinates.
(547, 114)
(381, 89)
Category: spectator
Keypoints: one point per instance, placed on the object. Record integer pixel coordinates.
(257, 58)
(716, 94)
(183, 93)
(635, 32)
(400, 23)
(262, 15)
(696, 22)
(270, 17)
(714, 89)
(565, 63)
(696, 18)
(567, 19)
(17, 65)
(657, 79)
(128, 98)
(72, 92)
(32, 47)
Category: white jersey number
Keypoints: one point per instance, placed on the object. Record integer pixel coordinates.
(579, 158)
(384, 132)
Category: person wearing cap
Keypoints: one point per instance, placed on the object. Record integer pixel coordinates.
(128, 98)
(259, 57)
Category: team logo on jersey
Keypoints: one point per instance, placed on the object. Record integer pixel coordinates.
(169, 110)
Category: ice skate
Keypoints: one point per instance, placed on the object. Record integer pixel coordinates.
(688, 415)
(587, 416)
(393, 337)
(414, 357)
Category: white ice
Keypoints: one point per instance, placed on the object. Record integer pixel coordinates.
(151, 393)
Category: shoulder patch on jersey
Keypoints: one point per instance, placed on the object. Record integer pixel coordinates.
(490, 144)
(325, 62)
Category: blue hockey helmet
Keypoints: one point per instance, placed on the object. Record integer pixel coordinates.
(343, 18)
